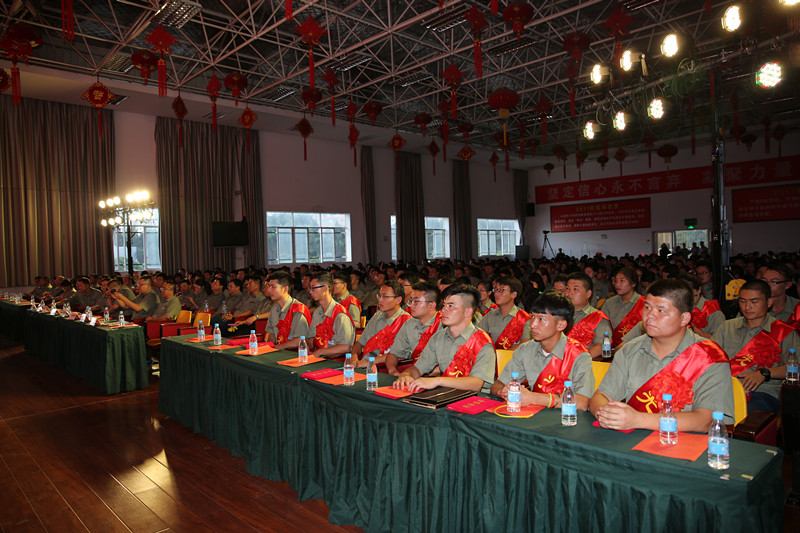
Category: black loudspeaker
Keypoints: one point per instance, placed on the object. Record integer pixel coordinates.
(530, 209)
(523, 252)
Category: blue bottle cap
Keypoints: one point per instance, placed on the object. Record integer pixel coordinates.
(252, 331)
(605, 333)
(568, 383)
(666, 397)
(302, 338)
(371, 359)
(514, 375)
(717, 415)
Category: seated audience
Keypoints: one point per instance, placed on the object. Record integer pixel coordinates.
(506, 325)
(332, 332)
(417, 331)
(379, 335)
(588, 324)
(624, 310)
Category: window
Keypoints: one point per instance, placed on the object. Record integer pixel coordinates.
(307, 237)
(145, 245)
(437, 237)
(497, 236)
(683, 237)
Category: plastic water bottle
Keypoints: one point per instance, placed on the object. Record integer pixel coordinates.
(606, 346)
(569, 410)
(372, 374)
(514, 397)
(224, 308)
(201, 332)
(205, 307)
(349, 371)
(68, 310)
(106, 315)
(718, 446)
(667, 423)
(121, 319)
(33, 303)
(217, 335)
(252, 343)
(302, 351)
(792, 373)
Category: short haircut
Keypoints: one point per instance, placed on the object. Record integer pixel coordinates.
(397, 288)
(757, 285)
(588, 284)
(113, 283)
(676, 291)
(147, 279)
(324, 279)
(556, 304)
(561, 278)
(204, 286)
(342, 276)
(693, 282)
(82, 279)
(469, 295)
(447, 280)
(513, 283)
(237, 282)
(410, 276)
(431, 291)
(168, 285)
(283, 278)
(628, 273)
(777, 266)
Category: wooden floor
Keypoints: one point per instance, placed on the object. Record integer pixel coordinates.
(72, 459)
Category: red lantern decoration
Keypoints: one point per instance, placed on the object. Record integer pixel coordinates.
(617, 25)
(518, 14)
(494, 7)
(778, 132)
(478, 22)
(533, 144)
(464, 128)
(67, 20)
(561, 154)
(161, 41)
(213, 87)
(667, 151)
(453, 76)
(5, 81)
(288, 10)
(649, 142)
(145, 61)
(549, 168)
(422, 120)
(433, 148)
(305, 129)
(236, 83)
(311, 96)
(18, 42)
(332, 81)
(620, 156)
(543, 106)
(247, 120)
(353, 138)
(603, 159)
(748, 139)
(493, 160)
(397, 144)
(99, 96)
(352, 110)
(466, 153)
(373, 109)
(311, 32)
(503, 100)
(179, 108)
(522, 129)
(574, 44)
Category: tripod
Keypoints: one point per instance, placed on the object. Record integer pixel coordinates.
(547, 244)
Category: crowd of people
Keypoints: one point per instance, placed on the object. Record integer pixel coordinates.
(441, 323)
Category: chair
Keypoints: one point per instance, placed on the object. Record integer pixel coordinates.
(205, 317)
(599, 368)
(503, 357)
(600, 303)
(739, 401)
(155, 328)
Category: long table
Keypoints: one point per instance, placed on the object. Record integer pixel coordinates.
(384, 465)
(12, 317)
(112, 360)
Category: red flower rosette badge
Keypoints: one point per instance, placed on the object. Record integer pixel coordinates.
(675, 384)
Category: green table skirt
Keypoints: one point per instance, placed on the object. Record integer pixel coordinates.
(12, 320)
(384, 465)
(111, 360)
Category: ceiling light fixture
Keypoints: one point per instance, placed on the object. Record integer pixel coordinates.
(416, 77)
(619, 121)
(731, 19)
(176, 13)
(588, 130)
(769, 75)
(656, 109)
(345, 63)
(446, 19)
(511, 45)
(670, 46)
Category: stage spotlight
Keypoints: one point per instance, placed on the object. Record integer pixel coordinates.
(670, 45)
(598, 72)
(790, 2)
(619, 121)
(588, 130)
(731, 19)
(769, 75)
(656, 109)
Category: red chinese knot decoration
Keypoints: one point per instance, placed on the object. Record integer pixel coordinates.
(161, 41)
(247, 120)
(5, 81)
(494, 160)
(617, 25)
(574, 44)
(397, 144)
(18, 42)
(453, 76)
(478, 22)
(99, 96)
(353, 138)
(561, 154)
(433, 148)
(179, 108)
(422, 120)
(311, 32)
(236, 84)
(466, 153)
(311, 96)
(332, 81)
(145, 61)
(620, 156)
(213, 87)
(518, 14)
(305, 129)
(543, 106)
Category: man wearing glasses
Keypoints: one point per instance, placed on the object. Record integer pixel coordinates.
(169, 307)
(351, 304)
(704, 274)
(463, 353)
(332, 332)
(416, 332)
(506, 324)
(144, 304)
(378, 336)
(288, 318)
(784, 307)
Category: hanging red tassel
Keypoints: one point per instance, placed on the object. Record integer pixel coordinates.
(477, 50)
(507, 167)
(441, 4)
(214, 115)
(311, 65)
(494, 170)
(289, 13)
(494, 7)
(333, 109)
(544, 129)
(162, 77)
(707, 7)
(434, 166)
(16, 88)
(305, 153)
(571, 100)
(247, 133)
(180, 134)
(100, 121)
(453, 105)
(67, 20)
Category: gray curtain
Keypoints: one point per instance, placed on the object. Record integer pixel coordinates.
(462, 211)
(54, 168)
(520, 198)
(196, 186)
(368, 203)
(410, 209)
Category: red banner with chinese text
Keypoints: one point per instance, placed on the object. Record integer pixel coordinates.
(766, 203)
(617, 214)
(736, 174)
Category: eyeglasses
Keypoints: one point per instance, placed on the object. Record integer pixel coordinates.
(500, 290)
(415, 301)
(703, 272)
(315, 287)
(775, 281)
(386, 296)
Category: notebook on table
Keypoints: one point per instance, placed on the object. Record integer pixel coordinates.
(438, 397)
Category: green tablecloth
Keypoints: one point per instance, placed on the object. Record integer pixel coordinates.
(12, 320)
(111, 360)
(386, 466)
